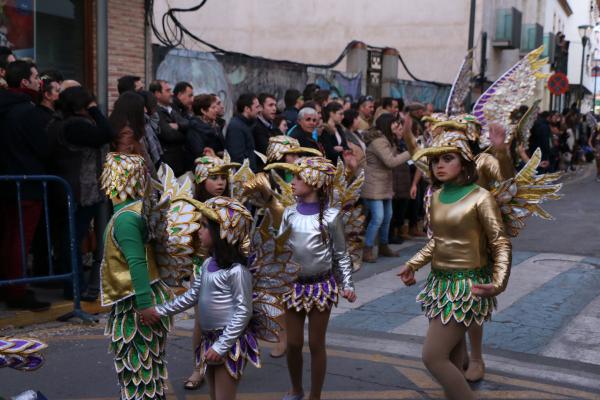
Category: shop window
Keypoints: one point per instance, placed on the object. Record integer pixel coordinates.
(51, 32)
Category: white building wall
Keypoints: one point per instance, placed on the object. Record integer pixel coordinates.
(431, 35)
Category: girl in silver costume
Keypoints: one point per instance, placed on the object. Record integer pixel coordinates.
(221, 292)
(210, 177)
(319, 246)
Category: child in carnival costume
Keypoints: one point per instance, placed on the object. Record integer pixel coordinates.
(490, 130)
(318, 240)
(470, 254)
(236, 296)
(211, 178)
(130, 282)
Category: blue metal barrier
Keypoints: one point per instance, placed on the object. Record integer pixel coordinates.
(75, 267)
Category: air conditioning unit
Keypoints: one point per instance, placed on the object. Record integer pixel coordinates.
(532, 37)
(507, 34)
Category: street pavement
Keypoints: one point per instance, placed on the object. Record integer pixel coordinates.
(543, 341)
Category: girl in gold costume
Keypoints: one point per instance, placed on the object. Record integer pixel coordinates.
(470, 255)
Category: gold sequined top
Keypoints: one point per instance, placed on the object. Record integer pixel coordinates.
(492, 168)
(466, 235)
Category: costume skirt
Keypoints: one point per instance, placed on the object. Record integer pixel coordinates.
(447, 294)
(320, 291)
(244, 350)
(138, 349)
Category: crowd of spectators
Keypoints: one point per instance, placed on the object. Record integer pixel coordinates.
(53, 126)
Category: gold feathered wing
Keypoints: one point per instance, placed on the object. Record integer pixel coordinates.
(273, 272)
(238, 179)
(176, 221)
(521, 196)
(346, 196)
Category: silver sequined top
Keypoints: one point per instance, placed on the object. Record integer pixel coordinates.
(224, 301)
(314, 256)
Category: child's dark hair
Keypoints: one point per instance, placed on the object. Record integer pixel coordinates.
(225, 254)
(203, 195)
(322, 194)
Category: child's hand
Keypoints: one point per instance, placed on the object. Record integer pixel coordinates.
(349, 295)
(484, 290)
(407, 275)
(213, 357)
(149, 316)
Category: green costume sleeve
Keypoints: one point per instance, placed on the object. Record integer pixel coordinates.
(129, 232)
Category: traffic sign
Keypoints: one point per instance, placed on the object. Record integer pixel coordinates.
(558, 84)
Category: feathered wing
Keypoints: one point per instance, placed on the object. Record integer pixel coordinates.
(237, 180)
(521, 196)
(460, 87)
(21, 354)
(514, 88)
(346, 196)
(273, 272)
(523, 128)
(174, 222)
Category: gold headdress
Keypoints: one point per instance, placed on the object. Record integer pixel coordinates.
(317, 172)
(124, 176)
(184, 218)
(449, 141)
(281, 145)
(208, 165)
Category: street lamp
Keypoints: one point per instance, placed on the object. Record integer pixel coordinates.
(585, 31)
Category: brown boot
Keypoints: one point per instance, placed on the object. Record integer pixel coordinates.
(368, 255)
(386, 251)
(404, 232)
(416, 232)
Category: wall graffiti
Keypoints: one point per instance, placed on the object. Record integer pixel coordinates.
(231, 75)
(421, 92)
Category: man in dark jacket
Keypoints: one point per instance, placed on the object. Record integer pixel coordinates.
(307, 121)
(293, 103)
(172, 127)
(264, 129)
(541, 137)
(239, 140)
(23, 151)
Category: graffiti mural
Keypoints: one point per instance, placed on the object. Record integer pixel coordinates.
(421, 92)
(231, 75)
(339, 83)
(202, 70)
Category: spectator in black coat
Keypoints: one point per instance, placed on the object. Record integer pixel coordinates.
(333, 138)
(293, 103)
(172, 126)
(183, 96)
(303, 132)
(541, 136)
(264, 128)
(203, 131)
(23, 151)
(239, 140)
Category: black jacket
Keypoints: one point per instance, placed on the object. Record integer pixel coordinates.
(541, 136)
(200, 135)
(76, 143)
(173, 141)
(262, 133)
(305, 139)
(23, 142)
(328, 140)
(239, 140)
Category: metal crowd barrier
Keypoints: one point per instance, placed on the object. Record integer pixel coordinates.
(51, 277)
